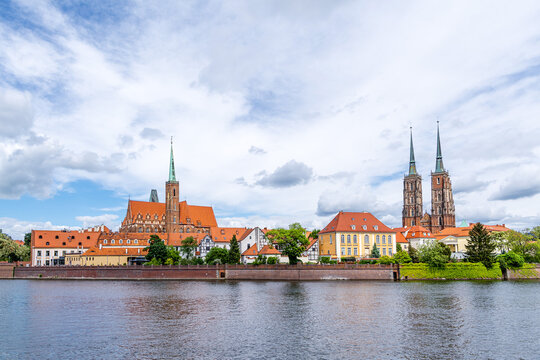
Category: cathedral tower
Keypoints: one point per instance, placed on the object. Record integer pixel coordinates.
(172, 208)
(442, 201)
(412, 193)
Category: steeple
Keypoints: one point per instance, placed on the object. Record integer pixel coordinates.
(412, 163)
(172, 175)
(439, 167)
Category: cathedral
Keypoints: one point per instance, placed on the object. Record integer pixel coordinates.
(442, 202)
(173, 216)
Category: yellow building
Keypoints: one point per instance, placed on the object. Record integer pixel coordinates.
(353, 234)
(104, 257)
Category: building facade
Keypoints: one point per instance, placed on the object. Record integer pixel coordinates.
(412, 193)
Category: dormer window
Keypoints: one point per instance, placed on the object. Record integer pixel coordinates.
(135, 241)
(80, 243)
(40, 236)
(375, 227)
(47, 243)
(56, 237)
(353, 227)
(120, 241)
(112, 241)
(364, 227)
(105, 241)
(64, 243)
(88, 237)
(128, 241)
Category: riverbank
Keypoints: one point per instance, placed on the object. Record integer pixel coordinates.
(468, 271)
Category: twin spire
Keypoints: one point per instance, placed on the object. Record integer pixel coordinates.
(439, 167)
(172, 174)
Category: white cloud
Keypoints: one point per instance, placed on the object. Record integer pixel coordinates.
(109, 220)
(17, 228)
(332, 85)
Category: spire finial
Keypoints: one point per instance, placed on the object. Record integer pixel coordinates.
(439, 167)
(172, 174)
(412, 162)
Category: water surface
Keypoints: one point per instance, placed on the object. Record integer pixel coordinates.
(53, 319)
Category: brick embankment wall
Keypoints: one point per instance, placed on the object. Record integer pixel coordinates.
(310, 272)
(6, 271)
(117, 272)
(231, 272)
(529, 271)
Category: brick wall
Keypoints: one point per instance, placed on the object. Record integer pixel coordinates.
(6, 271)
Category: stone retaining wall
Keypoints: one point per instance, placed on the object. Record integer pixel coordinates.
(6, 271)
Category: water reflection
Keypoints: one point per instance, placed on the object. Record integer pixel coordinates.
(228, 319)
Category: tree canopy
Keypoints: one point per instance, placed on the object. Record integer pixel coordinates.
(10, 251)
(481, 247)
(157, 250)
(375, 253)
(217, 255)
(291, 242)
(234, 251)
(188, 247)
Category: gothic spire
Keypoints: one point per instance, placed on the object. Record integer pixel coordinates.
(412, 163)
(439, 167)
(172, 175)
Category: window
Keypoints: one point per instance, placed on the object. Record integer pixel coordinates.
(40, 236)
(56, 237)
(355, 251)
(355, 240)
(140, 230)
(378, 239)
(348, 251)
(64, 243)
(390, 251)
(120, 241)
(128, 241)
(135, 241)
(353, 227)
(39, 253)
(366, 239)
(438, 180)
(330, 239)
(348, 239)
(47, 253)
(105, 241)
(343, 239)
(376, 227)
(55, 252)
(390, 239)
(342, 251)
(364, 227)
(80, 243)
(88, 237)
(173, 192)
(47, 243)
(112, 241)
(384, 251)
(384, 239)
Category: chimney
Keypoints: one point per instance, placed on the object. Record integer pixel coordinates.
(100, 246)
(126, 250)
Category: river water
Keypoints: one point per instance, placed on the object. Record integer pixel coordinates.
(53, 319)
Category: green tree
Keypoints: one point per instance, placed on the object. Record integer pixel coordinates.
(510, 260)
(27, 239)
(314, 234)
(434, 254)
(398, 247)
(11, 251)
(291, 242)
(413, 253)
(188, 247)
(375, 252)
(217, 255)
(234, 251)
(386, 260)
(172, 255)
(481, 247)
(157, 250)
(402, 257)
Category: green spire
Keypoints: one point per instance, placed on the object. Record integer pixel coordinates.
(172, 175)
(412, 163)
(439, 167)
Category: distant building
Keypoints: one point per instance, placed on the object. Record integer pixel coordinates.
(105, 257)
(416, 236)
(353, 234)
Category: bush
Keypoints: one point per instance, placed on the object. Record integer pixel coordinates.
(197, 261)
(401, 257)
(348, 259)
(364, 261)
(169, 261)
(386, 260)
(272, 260)
(324, 260)
(451, 271)
(154, 261)
(436, 255)
(510, 260)
(260, 260)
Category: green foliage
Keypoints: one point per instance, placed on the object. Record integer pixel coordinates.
(10, 251)
(197, 261)
(450, 271)
(272, 260)
(154, 261)
(260, 260)
(348, 259)
(172, 255)
(510, 260)
(27, 239)
(386, 260)
(413, 254)
(169, 262)
(435, 254)
(324, 259)
(188, 247)
(314, 234)
(481, 247)
(234, 251)
(398, 247)
(217, 255)
(292, 242)
(526, 243)
(157, 250)
(375, 252)
(364, 261)
(402, 257)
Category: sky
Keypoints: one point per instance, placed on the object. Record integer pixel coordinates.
(280, 111)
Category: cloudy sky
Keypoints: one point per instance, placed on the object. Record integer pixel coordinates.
(281, 111)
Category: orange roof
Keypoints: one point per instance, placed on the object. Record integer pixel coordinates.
(94, 251)
(197, 215)
(267, 250)
(356, 222)
(400, 238)
(64, 239)
(223, 234)
(313, 241)
(175, 239)
(418, 232)
(464, 231)
(252, 251)
(245, 234)
(19, 242)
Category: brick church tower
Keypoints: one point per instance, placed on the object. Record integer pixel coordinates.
(172, 208)
(443, 213)
(412, 194)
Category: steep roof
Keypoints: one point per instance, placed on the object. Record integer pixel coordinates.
(400, 238)
(198, 215)
(418, 232)
(464, 231)
(356, 222)
(64, 239)
(94, 251)
(225, 234)
(252, 251)
(311, 243)
(267, 250)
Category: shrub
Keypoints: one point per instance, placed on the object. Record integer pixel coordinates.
(364, 261)
(348, 259)
(386, 260)
(197, 261)
(401, 257)
(154, 261)
(510, 260)
(272, 260)
(324, 260)
(169, 261)
(260, 260)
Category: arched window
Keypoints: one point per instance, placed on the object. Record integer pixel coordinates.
(147, 229)
(440, 221)
(140, 229)
(354, 239)
(112, 241)
(378, 239)
(343, 239)
(348, 239)
(366, 239)
(173, 192)
(105, 241)
(440, 210)
(390, 239)
(384, 239)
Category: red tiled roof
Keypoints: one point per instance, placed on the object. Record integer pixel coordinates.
(64, 239)
(223, 234)
(418, 232)
(267, 250)
(354, 222)
(19, 242)
(94, 251)
(198, 215)
(400, 238)
(175, 239)
(464, 231)
(313, 241)
(252, 251)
